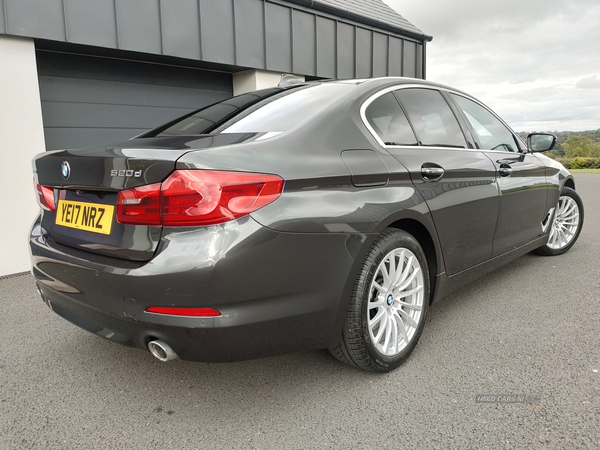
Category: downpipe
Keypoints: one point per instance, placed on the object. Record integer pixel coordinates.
(161, 350)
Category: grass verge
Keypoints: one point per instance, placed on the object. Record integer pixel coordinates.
(584, 170)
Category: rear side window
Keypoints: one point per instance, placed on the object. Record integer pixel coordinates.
(431, 118)
(389, 122)
(492, 133)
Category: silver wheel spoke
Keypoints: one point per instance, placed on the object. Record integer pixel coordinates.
(382, 326)
(406, 270)
(379, 288)
(409, 319)
(378, 304)
(394, 323)
(388, 333)
(566, 230)
(402, 328)
(569, 208)
(385, 275)
(392, 271)
(410, 279)
(411, 306)
(377, 317)
(405, 294)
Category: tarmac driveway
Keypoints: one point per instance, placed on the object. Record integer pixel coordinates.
(525, 339)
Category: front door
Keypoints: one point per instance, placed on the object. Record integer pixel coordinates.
(521, 178)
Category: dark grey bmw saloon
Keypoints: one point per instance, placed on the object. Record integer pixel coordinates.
(311, 215)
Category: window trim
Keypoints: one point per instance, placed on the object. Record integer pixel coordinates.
(375, 96)
(453, 107)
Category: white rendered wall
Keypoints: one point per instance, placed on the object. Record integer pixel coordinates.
(252, 80)
(21, 137)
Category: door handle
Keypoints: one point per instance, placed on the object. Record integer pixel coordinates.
(505, 170)
(432, 173)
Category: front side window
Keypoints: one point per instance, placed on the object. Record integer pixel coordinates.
(389, 122)
(492, 134)
(431, 117)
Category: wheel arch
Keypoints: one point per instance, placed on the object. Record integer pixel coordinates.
(418, 223)
(569, 182)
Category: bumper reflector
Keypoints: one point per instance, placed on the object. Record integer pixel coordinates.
(190, 312)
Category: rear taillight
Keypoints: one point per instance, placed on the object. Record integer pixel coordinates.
(139, 206)
(198, 198)
(45, 197)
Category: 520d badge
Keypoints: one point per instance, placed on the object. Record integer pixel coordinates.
(125, 173)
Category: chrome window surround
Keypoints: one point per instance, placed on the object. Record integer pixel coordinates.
(371, 99)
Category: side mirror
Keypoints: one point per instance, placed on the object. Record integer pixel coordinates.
(540, 142)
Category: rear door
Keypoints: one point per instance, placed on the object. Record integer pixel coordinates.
(521, 177)
(457, 182)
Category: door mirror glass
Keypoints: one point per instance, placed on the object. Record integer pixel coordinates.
(540, 142)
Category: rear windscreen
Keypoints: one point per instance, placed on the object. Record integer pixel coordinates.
(284, 111)
(206, 119)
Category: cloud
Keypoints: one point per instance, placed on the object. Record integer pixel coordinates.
(589, 83)
(526, 60)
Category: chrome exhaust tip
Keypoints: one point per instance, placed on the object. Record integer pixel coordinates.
(40, 293)
(161, 350)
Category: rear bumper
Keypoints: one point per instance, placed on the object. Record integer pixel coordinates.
(277, 292)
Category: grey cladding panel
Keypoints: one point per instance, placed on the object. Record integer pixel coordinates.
(139, 25)
(181, 28)
(249, 26)
(410, 59)
(2, 28)
(326, 47)
(303, 25)
(91, 22)
(279, 38)
(217, 31)
(279, 35)
(395, 57)
(47, 21)
(345, 51)
(419, 61)
(380, 54)
(364, 53)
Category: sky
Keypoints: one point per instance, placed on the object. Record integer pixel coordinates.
(536, 63)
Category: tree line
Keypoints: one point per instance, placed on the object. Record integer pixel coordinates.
(574, 144)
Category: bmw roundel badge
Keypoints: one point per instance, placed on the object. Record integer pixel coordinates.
(66, 170)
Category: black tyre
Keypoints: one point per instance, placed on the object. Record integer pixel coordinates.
(566, 224)
(388, 306)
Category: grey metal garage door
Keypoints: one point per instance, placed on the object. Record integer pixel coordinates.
(88, 100)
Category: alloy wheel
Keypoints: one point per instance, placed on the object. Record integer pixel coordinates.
(395, 302)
